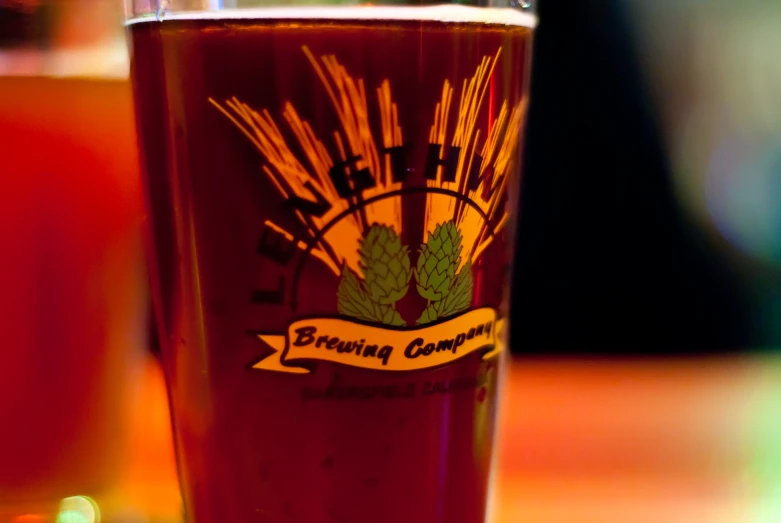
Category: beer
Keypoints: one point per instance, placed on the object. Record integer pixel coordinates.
(72, 302)
(331, 193)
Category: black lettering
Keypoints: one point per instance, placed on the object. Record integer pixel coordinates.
(459, 341)
(408, 352)
(276, 246)
(479, 330)
(488, 328)
(390, 391)
(445, 345)
(490, 186)
(358, 346)
(370, 351)
(449, 165)
(271, 296)
(449, 174)
(344, 347)
(428, 349)
(432, 161)
(470, 334)
(317, 208)
(349, 184)
(352, 391)
(332, 343)
(366, 393)
(398, 160)
(385, 353)
(426, 390)
(321, 340)
(474, 173)
(305, 336)
(486, 179)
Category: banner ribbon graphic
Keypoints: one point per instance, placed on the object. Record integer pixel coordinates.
(381, 348)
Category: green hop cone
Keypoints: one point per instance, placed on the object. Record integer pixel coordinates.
(388, 315)
(430, 314)
(439, 258)
(456, 300)
(385, 264)
(460, 296)
(354, 301)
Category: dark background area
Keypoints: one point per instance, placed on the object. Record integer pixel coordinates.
(607, 261)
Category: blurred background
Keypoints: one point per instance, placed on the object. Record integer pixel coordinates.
(649, 220)
(647, 292)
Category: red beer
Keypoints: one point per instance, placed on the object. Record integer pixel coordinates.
(331, 195)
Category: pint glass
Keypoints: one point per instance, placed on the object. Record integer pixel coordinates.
(73, 302)
(331, 195)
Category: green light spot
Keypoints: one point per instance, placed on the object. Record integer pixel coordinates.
(70, 516)
(763, 432)
(78, 509)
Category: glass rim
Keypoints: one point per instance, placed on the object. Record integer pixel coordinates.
(446, 13)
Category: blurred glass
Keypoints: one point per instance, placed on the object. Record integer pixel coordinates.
(72, 306)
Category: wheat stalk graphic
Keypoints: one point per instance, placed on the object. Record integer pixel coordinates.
(377, 274)
(292, 178)
(497, 151)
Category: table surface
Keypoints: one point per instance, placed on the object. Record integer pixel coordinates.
(602, 441)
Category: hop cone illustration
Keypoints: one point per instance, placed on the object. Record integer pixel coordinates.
(385, 265)
(448, 293)
(354, 301)
(458, 299)
(351, 298)
(460, 296)
(439, 258)
(386, 268)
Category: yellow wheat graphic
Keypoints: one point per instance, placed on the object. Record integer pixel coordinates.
(497, 151)
(292, 178)
(307, 175)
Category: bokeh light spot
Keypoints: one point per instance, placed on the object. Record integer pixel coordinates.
(742, 188)
(78, 509)
(763, 429)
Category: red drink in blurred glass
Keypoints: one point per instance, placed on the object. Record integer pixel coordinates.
(72, 291)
